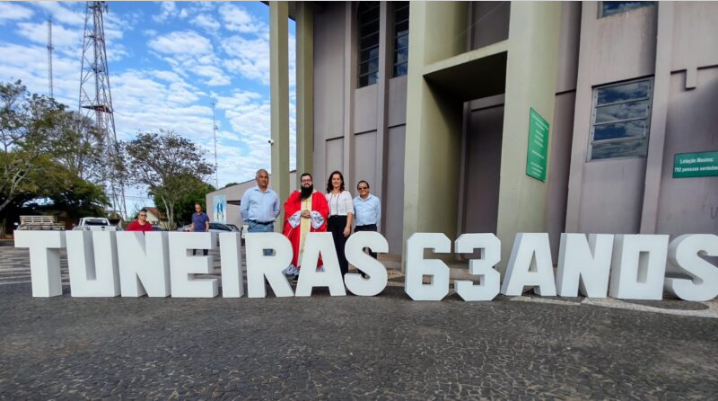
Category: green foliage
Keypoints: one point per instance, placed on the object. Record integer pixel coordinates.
(167, 164)
(49, 157)
(197, 191)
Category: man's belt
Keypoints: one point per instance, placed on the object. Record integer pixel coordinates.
(261, 223)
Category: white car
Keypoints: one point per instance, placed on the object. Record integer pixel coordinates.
(95, 224)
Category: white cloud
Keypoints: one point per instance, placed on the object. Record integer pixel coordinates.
(248, 57)
(66, 13)
(12, 11)
(149, 32)
(29, 64)
(183, 14)
(215, 75)
(61, 37)
(237, 19)
(187, 43)
(167, 9)
(206, 21)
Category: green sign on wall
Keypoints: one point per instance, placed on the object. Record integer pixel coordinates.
(687, 165)
(538, 147)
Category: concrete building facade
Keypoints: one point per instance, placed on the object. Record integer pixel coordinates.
(433, 104)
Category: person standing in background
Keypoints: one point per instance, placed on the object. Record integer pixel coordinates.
(368, 211)
(260, 205)
(200, 223)
(141, 223)
(305, 211)
(341, 213)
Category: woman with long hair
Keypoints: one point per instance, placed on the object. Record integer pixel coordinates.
(341, 213)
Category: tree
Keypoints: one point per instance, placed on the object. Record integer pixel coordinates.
(164, 162)
(26, 122)
(196, 193)
(49, 155)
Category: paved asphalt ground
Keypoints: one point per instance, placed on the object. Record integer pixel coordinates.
(385, 347)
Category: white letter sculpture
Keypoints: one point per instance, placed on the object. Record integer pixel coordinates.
(260, 265)
(587, 263)
(314, 245)
(44, 260)
(144, 263)
(92, 259)
(685, 252)
(184, 266)
(417, 267)
(230, 251)
(638, 266)
(530, 265)
(490, 279)
(354, 250)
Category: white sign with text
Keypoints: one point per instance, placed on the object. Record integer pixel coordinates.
(160, 264)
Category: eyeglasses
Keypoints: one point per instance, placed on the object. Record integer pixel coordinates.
(363, 188)
(306, 180)
(143, 215)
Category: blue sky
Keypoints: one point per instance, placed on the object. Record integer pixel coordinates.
(168, 61)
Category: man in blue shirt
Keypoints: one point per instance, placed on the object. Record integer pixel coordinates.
(367, 209)
(260, 205)
(200, 223)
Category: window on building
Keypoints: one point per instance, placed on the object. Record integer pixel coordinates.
(609, 8)
(621, 119)
(401, 37)
(368, 43)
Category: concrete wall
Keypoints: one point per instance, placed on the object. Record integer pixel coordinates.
(612, 49)
(482, 170)
(328, 87)
(489, 22)
(675, 42)
(531, 72)
(358, 131)
(690, 205)
(394, 194)
(559, 165)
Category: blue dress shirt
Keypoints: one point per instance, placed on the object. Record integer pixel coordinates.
(259, 206)
(367, 211)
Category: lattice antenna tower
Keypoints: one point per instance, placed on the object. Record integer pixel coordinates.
(214, 131)
(96, 98)
(50, 48)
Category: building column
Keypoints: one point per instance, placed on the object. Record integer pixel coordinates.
(305, 89)
(531, 70)
(659, 113)
(382, 110)
(350, 84)
(437, 30)
(279, 92)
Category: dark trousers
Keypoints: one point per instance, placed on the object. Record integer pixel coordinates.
(194, 251)
(336, 226)
(369, 227)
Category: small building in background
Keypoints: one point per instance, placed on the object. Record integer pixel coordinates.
(156, 218)
(229, 200)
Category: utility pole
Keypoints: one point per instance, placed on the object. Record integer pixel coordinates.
(214, 131)
(49, 54)
(96, 99)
